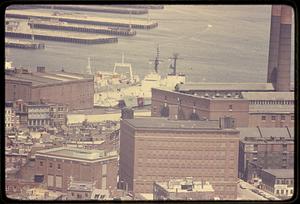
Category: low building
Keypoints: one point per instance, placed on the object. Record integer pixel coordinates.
(264, 148)
(38, 115)
(183, 189)
(279, 182)
(57, 166)
(58, 114)
(156, 149)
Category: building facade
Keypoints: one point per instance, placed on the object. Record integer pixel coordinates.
(12, 120)
(279, 182)
(74, 90)
(158, 149)
(58, 166)
(38, 115)
(264, 148)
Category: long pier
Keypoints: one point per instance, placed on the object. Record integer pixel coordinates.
(89, 8)
(61, 37)
(133, 23)
(24, 44)
(81, 28)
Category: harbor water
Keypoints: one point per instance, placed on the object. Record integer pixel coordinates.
(216, 44)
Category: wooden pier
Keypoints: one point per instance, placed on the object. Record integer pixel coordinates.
(61, 37)
(81, 28)
(118, 22)
(24, 44)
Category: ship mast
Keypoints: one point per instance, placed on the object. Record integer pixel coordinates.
(157, 60)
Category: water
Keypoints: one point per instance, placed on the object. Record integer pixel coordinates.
(217, 44)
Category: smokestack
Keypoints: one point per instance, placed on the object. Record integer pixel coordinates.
(279, 65)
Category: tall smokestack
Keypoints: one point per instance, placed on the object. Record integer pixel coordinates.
(279, 66)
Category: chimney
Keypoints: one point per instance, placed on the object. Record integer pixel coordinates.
(173, 112)
(127, 113)
(40, 69)
(279, 64)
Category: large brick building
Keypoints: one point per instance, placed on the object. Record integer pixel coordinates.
(75, 90)
(56, 167)
(249, 109)
(265, 148)
(159, 149)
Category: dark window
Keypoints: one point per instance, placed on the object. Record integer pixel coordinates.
(282, 117)
(273, 117)
(230, 108)
(41, 163)
(292, 117)
(263, 117)
(58, 166)
(50, 165)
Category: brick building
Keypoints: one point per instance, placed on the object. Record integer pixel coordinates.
(249, 109)
(183, 189)
(75, 90)
(12, 120)
(279, 182)
(264, 148)
(159, 149)
(57, 166)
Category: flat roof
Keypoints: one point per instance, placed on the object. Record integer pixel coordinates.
(226, 87)
(175, 185)
(281, 173)
(268, 95)
(45, 78)
(266, 133)
(76, 153)
(165, 123)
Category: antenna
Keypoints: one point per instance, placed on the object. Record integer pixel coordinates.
(157, 60)
(174, 58)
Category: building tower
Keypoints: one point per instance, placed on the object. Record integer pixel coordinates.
(279, 65)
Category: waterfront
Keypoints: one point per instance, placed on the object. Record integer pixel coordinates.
(218, 43)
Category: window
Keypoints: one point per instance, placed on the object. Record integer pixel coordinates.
(263, 117)
(50, 165)
(292, 117)
(282, 192)
(50, 181)
(58, 166)
(282, 117)
(230, 108)
(273, 117)
(41, 163)
(277, 192)
(58, 181)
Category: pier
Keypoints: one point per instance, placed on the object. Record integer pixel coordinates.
(23, 44)
(81, 28)
(118, 22)
(61, 37)
(89, 8)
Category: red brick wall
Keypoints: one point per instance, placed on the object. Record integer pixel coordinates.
(22, 90)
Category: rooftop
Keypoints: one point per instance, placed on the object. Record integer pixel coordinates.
(186, 185)
(165, 123)
(281, 173)
(45, 78)
(268, 95)
(226, 87)
(75, 153)
(252, 134)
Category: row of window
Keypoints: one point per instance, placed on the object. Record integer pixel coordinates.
(270, 102)
(273, 117)
(284, 192)
(51, 165)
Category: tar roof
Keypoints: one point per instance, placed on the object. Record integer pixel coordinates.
(268, 95)
(226, 86)
(266, 132)
(74, 153)
(43, 78)
(164, 123)
(281, 173)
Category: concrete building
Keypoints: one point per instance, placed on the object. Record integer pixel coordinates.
(183, 189)
(279, 182)
(74, 90)
(249, 109)
(12, 120)
(38, 115)
(57, 166)
(159, 149)
(279, 66)
(264, 148)
(58, 114)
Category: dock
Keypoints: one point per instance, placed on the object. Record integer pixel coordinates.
(61, 36)
(118, 22)
(81, 28)
(89, 8)
(23, 44)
